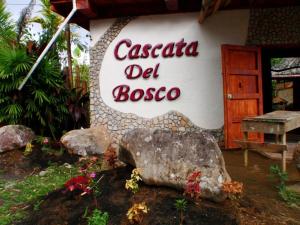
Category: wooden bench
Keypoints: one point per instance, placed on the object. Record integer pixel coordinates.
(277, 123)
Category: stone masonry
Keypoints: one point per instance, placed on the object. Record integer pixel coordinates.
(274, 26)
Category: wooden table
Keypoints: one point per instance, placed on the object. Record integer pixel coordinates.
(277, 123)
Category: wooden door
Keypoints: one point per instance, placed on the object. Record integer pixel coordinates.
(242, 82)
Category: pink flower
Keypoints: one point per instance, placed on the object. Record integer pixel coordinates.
(92, 175)
(46, 141)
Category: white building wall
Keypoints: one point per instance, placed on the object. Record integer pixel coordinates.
(199, 78)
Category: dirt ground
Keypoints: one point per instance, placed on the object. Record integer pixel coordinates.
(260, 187)
(14, 165)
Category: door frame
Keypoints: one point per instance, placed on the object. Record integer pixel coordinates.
(268, 52)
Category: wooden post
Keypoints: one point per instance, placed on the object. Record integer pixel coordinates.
(245, 136)
(283, 140)
(277, 140)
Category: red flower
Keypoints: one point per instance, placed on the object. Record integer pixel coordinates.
(79, 183)
(194, 176)
(192, 187)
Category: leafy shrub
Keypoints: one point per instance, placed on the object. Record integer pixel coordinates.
(110, 156)
(181, 205)
(98, 218)
(44, 104)
(233, 188)
(286, 195)
(132, 184)
(136, 213)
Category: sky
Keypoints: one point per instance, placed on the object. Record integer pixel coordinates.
(15, 7)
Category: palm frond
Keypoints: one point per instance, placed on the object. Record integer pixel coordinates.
(24, 19)
(7, 29)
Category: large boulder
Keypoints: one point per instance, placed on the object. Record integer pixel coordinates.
(166, 158)
(14, 137)
(89, 141)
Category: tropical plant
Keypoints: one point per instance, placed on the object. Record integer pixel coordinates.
(234, 189)
(7, 27)
(192, 187)
(78, 105)
(136, 213)
(290, 197)
(23, 20)
(42, 103)
(49, 22)
(181, 205)
(132, 183)
(98, 218)
(110, 156)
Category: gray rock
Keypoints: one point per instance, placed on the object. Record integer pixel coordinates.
(87, 141)
(166, 158)
(43, 173)
(14, 137)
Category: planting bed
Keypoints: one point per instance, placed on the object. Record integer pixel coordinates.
(61, 208)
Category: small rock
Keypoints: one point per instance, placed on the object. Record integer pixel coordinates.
(67, 165)
(15, 137)
(42, 173)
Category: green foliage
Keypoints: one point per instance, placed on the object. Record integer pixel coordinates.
(276, 61)
(133, 183)
(44, 103)
(290, 197)
(49, 22)
(41, 103)
(278, 173)
(180, 204)
(7, 28)
(98, 218)
(17, 195)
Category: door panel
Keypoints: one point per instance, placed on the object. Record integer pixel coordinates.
(242, 81)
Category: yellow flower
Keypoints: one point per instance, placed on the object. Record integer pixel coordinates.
(28, 148)
(135, 213)
(132, 184)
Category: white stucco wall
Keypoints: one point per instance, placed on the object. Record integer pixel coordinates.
(199, 78)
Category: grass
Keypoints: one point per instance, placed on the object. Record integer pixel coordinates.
(17, 196)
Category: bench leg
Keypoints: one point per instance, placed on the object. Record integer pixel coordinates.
(245, 136)
(284, 161)
(283, 141)
(245, 157)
